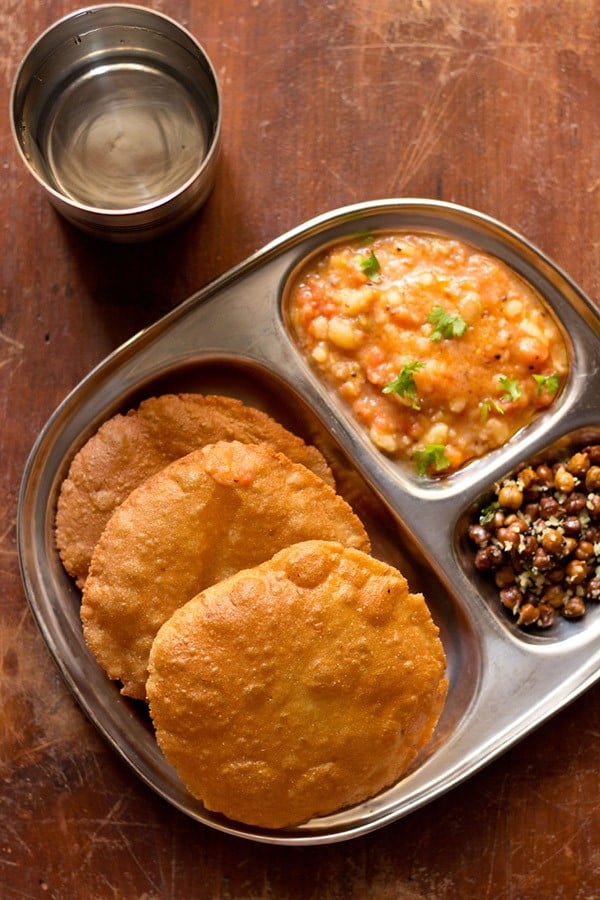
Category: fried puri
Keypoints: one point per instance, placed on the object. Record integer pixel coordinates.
(128, 449)
(225, 507)
(298, 687)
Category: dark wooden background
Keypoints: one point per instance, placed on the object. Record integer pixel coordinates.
(494, 105)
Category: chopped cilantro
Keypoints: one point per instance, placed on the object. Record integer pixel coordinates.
(490, 405)
(512, 388)
(370, 266)
(445, 325)
(433, 456)
(488, 512)
(512, 391)
(549, 383)
(404, 383)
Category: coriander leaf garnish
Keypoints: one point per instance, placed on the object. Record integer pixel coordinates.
(487, 513)
(490, 405)
(404, 383)
(512, 388)
(549, 383)
(370, 266)
(433, 456)
(446, 325)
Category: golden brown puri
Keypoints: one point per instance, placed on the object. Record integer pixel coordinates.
(299, 687)
(128, 449)
(223, 508)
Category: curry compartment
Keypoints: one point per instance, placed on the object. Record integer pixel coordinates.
(438, 349)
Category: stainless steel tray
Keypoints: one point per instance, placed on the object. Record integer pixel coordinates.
(233, 337)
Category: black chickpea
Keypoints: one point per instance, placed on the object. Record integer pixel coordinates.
(554, 576)
(576, 571)
(479, 535)
(528, 614)
(574, 608)
(554, 596)
(572, 526)
(579, 464)
(544, 474)
(498, 520)
(549, 507)
(593, 506)
(592, 478)
(510, 496)
(570, 544)
(546, 616)
(553, 541)
(564, 481)
(575, 503)
(508, 537)
(504, 577)
(527, 477)
(511, 597)
(593, 589)
(584, 550)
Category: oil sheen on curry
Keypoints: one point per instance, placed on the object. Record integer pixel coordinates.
(441, 351)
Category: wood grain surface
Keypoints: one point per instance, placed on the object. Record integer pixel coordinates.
(489, 103)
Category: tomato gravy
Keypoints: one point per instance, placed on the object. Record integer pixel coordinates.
(441, 351)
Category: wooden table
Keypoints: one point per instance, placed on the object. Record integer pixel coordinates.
(493, 105)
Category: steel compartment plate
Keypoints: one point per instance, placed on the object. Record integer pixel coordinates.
(233, 337)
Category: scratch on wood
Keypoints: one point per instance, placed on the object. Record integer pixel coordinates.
(11, 351)
(431, 129)
(95, 837)
(594, 186)
(17, 840)
(110, 834)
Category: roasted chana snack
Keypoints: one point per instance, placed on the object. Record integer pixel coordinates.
(222, 508)
(128, 449)
(297, 687)
(538, 537)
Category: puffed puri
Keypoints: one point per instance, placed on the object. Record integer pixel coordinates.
(298, 687)
(225, 507)
(128, 449)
